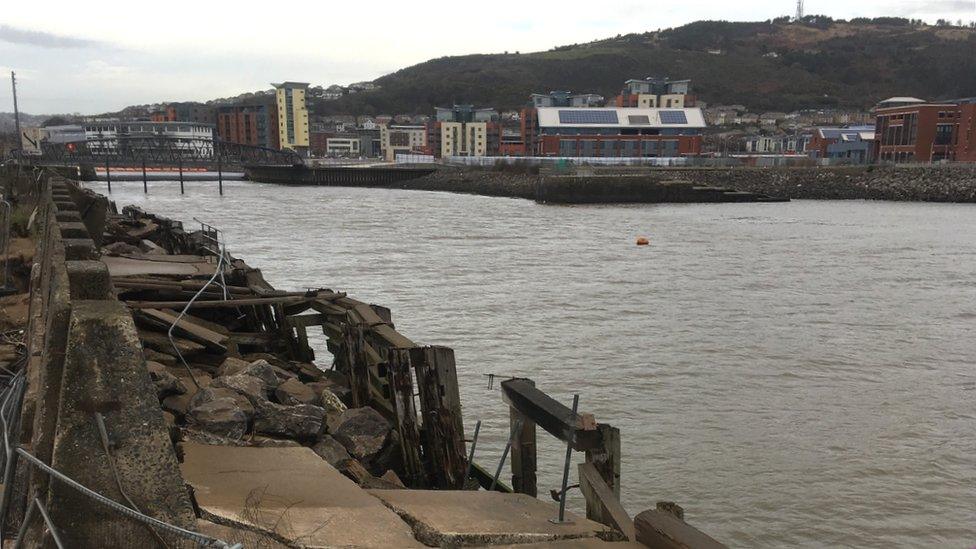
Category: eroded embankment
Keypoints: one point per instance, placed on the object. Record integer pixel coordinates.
(949, 183)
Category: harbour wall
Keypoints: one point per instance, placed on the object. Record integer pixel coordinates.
(936, 183)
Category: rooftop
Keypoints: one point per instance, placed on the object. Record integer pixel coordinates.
(620, 117)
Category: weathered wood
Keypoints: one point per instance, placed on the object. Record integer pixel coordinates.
(400, 376)
(217, 303)
(210, 339)
(354, 363)
(484, 478)
(523, 452)
(392, 337)
(606, 461)
(599, 495)
(555, 418)
(440, 406)
(660, 530)
(161, 343)
(306, 320)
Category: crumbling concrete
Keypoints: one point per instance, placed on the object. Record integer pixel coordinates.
(467, 518)
(292, 494)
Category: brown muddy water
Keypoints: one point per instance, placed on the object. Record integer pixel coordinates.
(794, 375)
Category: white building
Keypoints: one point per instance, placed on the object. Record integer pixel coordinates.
(107, 137)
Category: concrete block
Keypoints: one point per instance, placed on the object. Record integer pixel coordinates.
(290, 493)
(73, 230)
(65, 205)
(442, 518)
(104, 372)
(88, 280)
(77, 249)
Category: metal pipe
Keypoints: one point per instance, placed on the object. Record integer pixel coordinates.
(23, 526)
(50, 525)
(181, 175)
(220, 176)
(474, 444)
(508, 446)
(8, 211)
(108, 176)
(145, 185)
(569, 458)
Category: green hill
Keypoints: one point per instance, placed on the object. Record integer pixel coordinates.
(774, 65)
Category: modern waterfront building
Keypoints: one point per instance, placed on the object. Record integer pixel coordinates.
(656, 92)
(926, 132)
(255, 125)
(560, 98)
(854, 144)
(406, 139)
(189, 111)
(619, 132)
(463, 130)
(292, 116)
(108, 137)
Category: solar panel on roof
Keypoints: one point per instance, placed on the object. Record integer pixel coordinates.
(638, 120)
(588, 116)
(673, 117)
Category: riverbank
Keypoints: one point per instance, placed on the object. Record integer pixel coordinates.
(948, 183)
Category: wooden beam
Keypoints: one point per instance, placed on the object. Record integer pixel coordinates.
(484, 478)
(217, 303)
(660, 530)
(440, 406)
(400, 377)
(606, 461)
(601, 496)
(210, 339)
(558, 420)
(523, 452)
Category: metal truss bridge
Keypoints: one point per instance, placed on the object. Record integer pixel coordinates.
(160, 151)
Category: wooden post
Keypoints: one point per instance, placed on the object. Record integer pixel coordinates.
(356, 367)
(220, 176)
(440, 406)
(145, 184)
(401, 388)
(108, 176)
(606, 461)
(523, 453)
(181, 175)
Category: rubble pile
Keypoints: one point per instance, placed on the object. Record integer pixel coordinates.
(229, 370)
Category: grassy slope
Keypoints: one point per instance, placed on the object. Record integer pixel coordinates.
(840, 65)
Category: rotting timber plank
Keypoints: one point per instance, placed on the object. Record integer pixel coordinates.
(400, 379)
(558, 420)
(440, 406)
(660, 530)
(606, 461)
(485, 478)
(601, 497)
(523, 452)
(212, 340)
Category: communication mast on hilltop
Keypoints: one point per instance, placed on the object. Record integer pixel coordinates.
(799, 10)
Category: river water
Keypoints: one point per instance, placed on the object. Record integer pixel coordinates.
(794, 375)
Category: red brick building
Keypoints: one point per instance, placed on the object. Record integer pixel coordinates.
(255, 125)
(926, 132)
(619, 132)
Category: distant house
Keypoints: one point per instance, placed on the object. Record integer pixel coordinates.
(854, 144)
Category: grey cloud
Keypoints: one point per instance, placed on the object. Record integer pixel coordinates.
(45, 39)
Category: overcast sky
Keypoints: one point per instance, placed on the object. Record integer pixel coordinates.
(99, 56)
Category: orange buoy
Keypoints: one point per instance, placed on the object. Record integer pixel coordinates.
(642, 241)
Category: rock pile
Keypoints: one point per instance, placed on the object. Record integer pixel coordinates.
(261, 400)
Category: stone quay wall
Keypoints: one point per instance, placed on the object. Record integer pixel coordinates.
(933, 183)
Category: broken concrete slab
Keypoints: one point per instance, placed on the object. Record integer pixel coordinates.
(159, 265)
(581, 543)
(292, 494)
(454, 518)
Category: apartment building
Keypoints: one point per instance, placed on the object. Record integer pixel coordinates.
(463, 130)
(402, 139)
(926, 132)
(255, 125)
(292, 116)
(656, 92)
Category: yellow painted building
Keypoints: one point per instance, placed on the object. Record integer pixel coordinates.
(464, 139)
(664, 101)
(292, 115)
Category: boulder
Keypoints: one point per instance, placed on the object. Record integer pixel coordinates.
(210, 394)
(331, 402)
(391, 477)
(165, 382)
(306, 371)
(251, 387)
(222, 417)
(156, 356)
(354, 471)
(293, 392)
(260, 369)
(120, 248)
(303, 421)
(363, 431)
(331, 450)
(269, 442)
